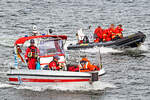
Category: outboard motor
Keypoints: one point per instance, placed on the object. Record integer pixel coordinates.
(94, 76)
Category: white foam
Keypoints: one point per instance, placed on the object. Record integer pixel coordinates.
(69, 42)
(95, 49)
(102, 50)
(4, 85)
(143, 47)
(70, 87)
(33, 88)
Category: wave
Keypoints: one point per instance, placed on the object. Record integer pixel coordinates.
(74, 87)
(96, 86)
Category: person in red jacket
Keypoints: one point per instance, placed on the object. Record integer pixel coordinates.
(54, 65)
(31, 55)
(98, 34)
(105, 35)
(111, 32)
(118, 31)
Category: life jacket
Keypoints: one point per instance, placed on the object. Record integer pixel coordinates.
(105, 35)
(86, 66)
(110, 32)
(99, 32)
(73, 68)
(113, 35)
(53, 65)
(33, 52)
(118, 32)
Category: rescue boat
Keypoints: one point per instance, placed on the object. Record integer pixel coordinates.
(49, 46)
(131, 41)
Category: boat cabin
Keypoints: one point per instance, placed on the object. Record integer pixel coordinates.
(48, 45)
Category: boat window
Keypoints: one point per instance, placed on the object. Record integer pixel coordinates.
(49, 47)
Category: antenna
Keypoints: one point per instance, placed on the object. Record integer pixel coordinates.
(100, 59)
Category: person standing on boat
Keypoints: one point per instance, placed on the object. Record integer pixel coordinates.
(54, 65)
(31, 55)
(98, 34)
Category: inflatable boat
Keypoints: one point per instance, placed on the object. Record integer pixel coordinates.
(130, 41)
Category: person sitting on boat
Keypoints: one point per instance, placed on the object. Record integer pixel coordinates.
(86, 66)
(106, 36)
(111, 32)
(118, 32)
(98, 34)
(31, 55)
(54, 65)
(81, 37)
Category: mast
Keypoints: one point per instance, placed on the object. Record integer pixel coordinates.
(100, 59)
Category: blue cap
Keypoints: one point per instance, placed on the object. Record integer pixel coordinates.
(56, 57)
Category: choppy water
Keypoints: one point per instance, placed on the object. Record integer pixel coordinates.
(128, 70)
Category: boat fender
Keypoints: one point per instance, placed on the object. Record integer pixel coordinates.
(94, 76)
(38, 66)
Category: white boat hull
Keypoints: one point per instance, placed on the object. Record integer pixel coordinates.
(48, 77)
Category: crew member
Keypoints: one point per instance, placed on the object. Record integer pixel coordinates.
(111, 32)
(98, 34)
(105, 35)
(54, 65)
(31, 55)
(118, 31)
(80, 36)
(86, 66)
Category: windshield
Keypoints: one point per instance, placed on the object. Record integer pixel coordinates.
(50, 47)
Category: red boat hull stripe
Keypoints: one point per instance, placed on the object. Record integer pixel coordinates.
(47, 80)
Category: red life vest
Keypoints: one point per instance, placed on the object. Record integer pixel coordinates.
(111, 32)
(118, 31)
(105, 35)
(31, 52)
(99, 32)
(54, 65)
